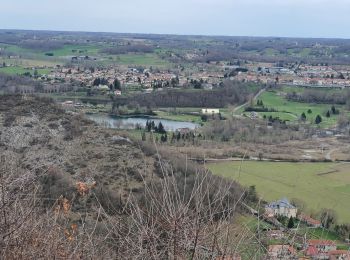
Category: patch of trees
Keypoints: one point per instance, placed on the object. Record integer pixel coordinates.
(276, 119)
(42, 45)
(259, 109)
(253, 131)
(151, 126)
(124, 49)
(19, 84)
(100, 81)
(231, 93)
(320, 97)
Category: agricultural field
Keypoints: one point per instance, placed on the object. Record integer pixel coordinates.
(319, 185)
(291, 111)
(17, 70)
(145, 59)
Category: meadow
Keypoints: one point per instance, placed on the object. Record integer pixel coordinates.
(17, 70)
(318, 185)
(144, 59)
(291, 111)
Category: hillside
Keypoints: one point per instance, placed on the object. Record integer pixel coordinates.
(70, 189)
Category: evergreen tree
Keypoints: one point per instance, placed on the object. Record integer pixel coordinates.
(303, 116)
(333, 110)
(290, 222)
(117, 84)
(309, 111)
(318, 119)
(161, 128)
(328, 114)
(96, 82)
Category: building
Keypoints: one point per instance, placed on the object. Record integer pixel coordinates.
(281, 252)
(319, 249)
(275, 234)
(339, 255)
(117, 92)
(281, 208)
(210, 111)
(309, 221)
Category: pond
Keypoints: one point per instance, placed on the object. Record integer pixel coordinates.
(134, 122)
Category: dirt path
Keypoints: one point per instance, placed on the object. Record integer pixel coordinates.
(329, 154)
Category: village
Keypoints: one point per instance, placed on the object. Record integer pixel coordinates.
(206, 76)
(288, 234)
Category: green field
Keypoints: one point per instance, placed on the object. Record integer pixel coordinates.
(291, 111)
(147, 59)
(20, 70)
(274, 180)
(179, 117)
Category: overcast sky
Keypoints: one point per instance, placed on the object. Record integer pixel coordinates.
(296, 18)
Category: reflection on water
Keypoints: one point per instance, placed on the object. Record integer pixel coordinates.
(137, 122)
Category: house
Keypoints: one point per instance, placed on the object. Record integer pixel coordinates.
(281, 252)
(210, 111)
(68, 104)
(281, 208)
(339, 255)
(117, 93)
(309, 221)
(319, 249)
(275, 234)
(103, 88)
(323, 245)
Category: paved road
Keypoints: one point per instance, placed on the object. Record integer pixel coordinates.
(246, 103)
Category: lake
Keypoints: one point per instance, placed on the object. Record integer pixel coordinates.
(132, 122)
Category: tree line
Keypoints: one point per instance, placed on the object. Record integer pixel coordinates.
(231, 93)
(340, 97)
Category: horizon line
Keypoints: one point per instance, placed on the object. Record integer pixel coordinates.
(173, 34)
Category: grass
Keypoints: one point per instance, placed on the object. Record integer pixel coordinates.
(179, 117)
(20, 70)
(291, 110)
(274, 180)
(147, 59)
(271, 52)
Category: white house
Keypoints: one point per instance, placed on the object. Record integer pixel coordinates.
(210, 111)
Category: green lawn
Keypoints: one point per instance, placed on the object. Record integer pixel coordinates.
(295, 180)
(179, 117)
(292, 110)
(147, 59)
(78, 50)
(20, 70)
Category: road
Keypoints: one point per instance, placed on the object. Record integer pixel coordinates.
(246, 103)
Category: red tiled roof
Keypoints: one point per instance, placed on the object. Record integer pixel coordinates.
(314, 242)
(339, 252)
(309, 220)
(311, 251)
